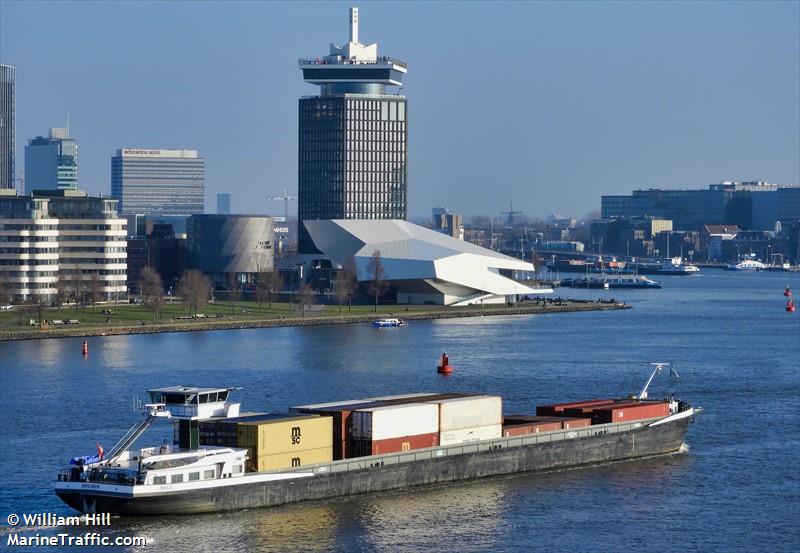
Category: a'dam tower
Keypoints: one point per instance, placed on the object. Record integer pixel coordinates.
(352, 137)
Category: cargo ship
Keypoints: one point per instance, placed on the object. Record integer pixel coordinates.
(224, 460)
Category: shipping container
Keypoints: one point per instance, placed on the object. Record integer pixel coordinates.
(277, 461)
(573, 422)
(510, 430)
(394, 421)
(336, 405)
(270, 435)
(565, 423)
(470, 412)
(466, 435)
(629, 412)
(363, 447)
(220, 432)
(557, 409)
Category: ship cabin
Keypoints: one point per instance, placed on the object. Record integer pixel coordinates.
(193, 403)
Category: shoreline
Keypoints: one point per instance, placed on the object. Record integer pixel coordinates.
(206, 325)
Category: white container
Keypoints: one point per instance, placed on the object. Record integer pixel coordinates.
(349, 402)
(469, 412)
(466, 435)
(395, 421)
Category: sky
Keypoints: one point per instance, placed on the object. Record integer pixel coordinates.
(548, 105)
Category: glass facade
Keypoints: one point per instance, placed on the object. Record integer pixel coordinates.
(351, 159)
(158, 182)
(51, 164)
(7, 136)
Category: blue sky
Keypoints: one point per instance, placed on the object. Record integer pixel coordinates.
(548, 105)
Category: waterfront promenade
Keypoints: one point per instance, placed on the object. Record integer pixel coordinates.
(136, 320)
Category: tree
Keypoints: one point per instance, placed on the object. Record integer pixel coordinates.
(78, 286)
(269, 283)
(305, 296)
(377, 277)
(233, 290)
(95, 289)
(152, 289)
(347, 284)
(5, 293)
(62, 291)
(193, 287)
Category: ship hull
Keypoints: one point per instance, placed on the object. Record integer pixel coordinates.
(643, 442)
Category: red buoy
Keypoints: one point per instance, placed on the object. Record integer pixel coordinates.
(790, 306)
(85, 348)
(787, 292)
(444, 366)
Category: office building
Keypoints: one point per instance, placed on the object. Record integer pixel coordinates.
(222, 246)
(7, 125)
(223, 204)
(51, 163)
(158, 182)
(448, 222)
(749, 205)
(61, 243)
(352, 137)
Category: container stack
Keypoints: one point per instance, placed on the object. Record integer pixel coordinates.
(515, 425)
(275, 441)
(393, 428)
(469, 419)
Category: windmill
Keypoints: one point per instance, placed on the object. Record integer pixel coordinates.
(510, 214)
(285, 197)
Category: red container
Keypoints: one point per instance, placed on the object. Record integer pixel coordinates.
(516, 430)
(557, 409)
(360, 448)
(570, 423)
(629, 412)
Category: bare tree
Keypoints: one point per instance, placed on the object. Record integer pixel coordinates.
(233, 290)
(269, 283)
(152, 289)
(62, 291)
(306, 297)
(5, 293)
(78, 273)
(95, 289)
(193, 287)
(347, 284)
(377, 277)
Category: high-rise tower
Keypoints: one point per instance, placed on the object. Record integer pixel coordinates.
(7, 113)
(352, 137)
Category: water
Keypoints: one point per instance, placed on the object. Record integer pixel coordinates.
(738, 488)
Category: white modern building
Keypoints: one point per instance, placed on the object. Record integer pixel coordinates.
(60, 241)
(422, 265)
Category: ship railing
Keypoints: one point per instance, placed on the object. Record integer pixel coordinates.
(358, 463)
(382, 60)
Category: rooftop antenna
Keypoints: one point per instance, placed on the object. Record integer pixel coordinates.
(354, 25)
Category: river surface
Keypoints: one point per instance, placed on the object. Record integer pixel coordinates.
(737, 489)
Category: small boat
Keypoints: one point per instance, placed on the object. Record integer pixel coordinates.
(676, 266)
(787, 292)
(790, 306)
(388, 323)
(747, 265)
(631, 281)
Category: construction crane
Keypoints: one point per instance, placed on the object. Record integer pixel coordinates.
(510, 214)
(285, 197)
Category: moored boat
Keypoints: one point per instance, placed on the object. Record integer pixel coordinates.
(746, 265)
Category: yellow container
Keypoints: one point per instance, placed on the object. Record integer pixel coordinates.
(286, 435)
(279, 461)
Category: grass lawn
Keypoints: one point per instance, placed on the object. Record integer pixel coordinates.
(124, 314)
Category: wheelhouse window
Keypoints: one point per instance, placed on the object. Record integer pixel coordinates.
(194, 476)
(209, 474)
(176, 479)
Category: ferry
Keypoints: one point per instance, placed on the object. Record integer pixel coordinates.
(196, 478)
(676, 266)
(747, 265)
(625, 281)
(388, 323)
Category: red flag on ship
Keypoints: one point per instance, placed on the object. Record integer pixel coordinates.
(99, 450)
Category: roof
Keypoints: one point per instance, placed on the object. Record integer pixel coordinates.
(410, 252)
(189, 390)
(721, 229)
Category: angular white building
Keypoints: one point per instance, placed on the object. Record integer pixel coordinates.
(423, 266)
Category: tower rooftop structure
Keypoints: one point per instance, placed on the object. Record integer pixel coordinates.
(354, 68)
